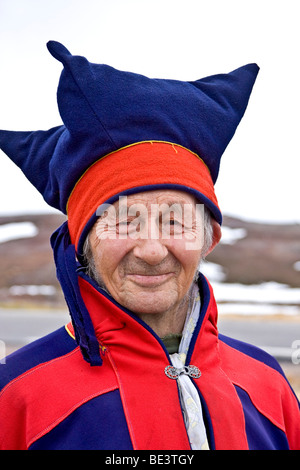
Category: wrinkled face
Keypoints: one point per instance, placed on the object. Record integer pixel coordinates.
(147, 248)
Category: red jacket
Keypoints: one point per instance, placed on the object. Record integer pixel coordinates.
(52, 398)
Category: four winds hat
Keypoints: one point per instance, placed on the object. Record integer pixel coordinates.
(124, 133)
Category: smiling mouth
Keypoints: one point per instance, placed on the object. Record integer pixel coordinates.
(149, 280)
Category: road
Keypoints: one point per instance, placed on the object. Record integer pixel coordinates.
(279, 337)
(19, 327)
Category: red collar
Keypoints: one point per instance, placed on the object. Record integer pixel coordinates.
(150, 398)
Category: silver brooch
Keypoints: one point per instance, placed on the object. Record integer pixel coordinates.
(174, 372)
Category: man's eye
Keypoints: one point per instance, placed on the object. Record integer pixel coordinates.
(172, 226)
(128, 225)
(174, 223)
(123, 224)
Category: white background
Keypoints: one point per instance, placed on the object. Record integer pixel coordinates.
(259, 177)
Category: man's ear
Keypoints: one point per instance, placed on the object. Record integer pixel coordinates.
(217, 233)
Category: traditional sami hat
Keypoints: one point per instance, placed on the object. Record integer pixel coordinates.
(126, 133)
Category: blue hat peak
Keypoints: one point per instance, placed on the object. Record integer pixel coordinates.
(104, 109)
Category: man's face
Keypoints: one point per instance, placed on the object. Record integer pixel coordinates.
(147, 249)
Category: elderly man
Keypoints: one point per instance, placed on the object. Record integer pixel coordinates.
(148, 257)
(141, 365)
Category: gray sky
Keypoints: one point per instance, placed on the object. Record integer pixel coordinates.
(259, 176)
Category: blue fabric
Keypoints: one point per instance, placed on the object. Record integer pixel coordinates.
(205, 299)
(207, 422)
(45, 349)
(66, 269)
(104, 109)
(261, 433)
(252, 351)
(256, 353)
(99, 424)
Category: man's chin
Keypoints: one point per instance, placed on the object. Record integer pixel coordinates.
(151, 303)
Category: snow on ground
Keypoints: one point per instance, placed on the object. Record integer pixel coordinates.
(15, 231)
(297, 266)
(213, 271)
(261, 299)
(267, 292)
(268, 298)
(32, 290)
(257, 309)
(232, 235)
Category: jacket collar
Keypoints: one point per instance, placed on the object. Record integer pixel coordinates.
(92, 324)
(107, 316)
(139, 358)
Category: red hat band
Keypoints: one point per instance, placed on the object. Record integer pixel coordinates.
(136, 168)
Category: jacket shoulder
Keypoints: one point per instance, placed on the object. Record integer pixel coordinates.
(45, 349)
(251, 351)
(258, 375)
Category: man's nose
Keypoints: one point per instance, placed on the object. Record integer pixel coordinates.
(152, 251)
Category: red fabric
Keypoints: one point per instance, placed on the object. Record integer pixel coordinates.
(216, 388)
(134, 353)
(64, 383)
(142, 164)
(45, 395)
(273, 400)
(149, 397)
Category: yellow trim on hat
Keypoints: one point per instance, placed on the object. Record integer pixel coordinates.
(132, 145)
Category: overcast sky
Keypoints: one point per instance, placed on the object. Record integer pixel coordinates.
(186, 40)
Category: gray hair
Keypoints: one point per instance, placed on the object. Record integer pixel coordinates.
(89, 262)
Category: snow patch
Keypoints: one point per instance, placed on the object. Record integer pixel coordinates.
(267, 292)
(297, 266)
(32, 290)
(231, 235)
(213, 271)
(257, 309)
(15, 231)
(269, 298)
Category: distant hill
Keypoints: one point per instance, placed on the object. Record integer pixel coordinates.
(250, 253)
(267, 252)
